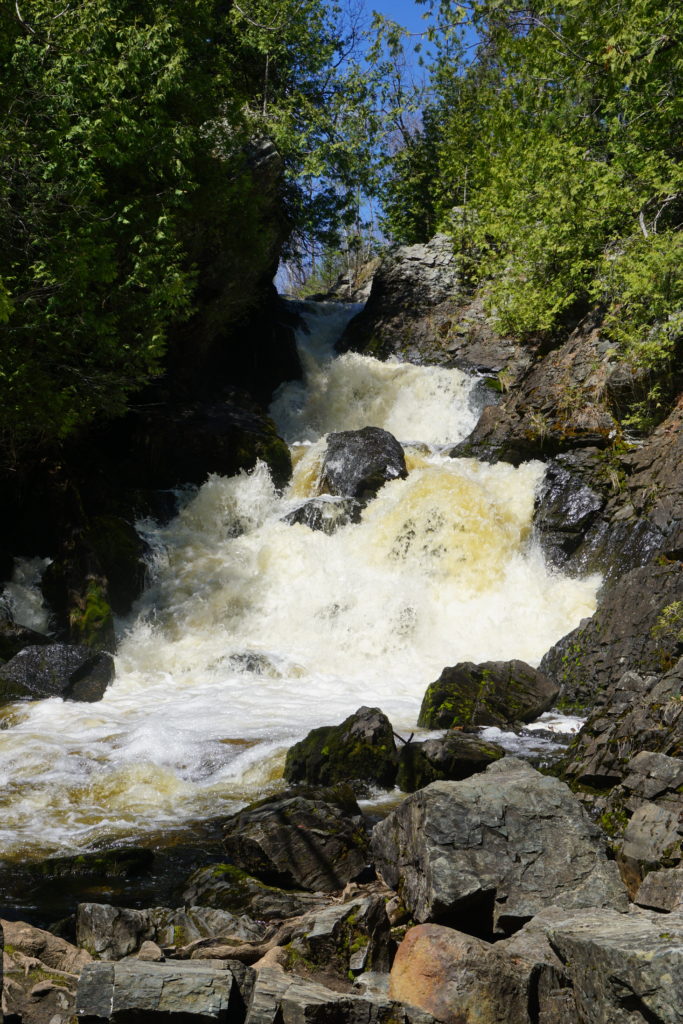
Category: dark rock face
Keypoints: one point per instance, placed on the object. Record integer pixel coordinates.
(57, 670)
(489, 853)
(636, 714)
(307, 839)
(417, 310)
(360, 751)
(559, 405)
(227, 888)
(635, 627)
(185, 442)
(452, 758)
(493, 693)
(566, 507)
(358, 462)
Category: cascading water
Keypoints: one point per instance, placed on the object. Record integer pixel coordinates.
(255, 631)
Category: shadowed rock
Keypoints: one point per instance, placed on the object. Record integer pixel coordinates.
(358, 462)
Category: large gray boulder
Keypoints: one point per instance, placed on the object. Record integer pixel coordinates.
(200, 992)
(662, 890)
(70, 671)
(489, 853)
(625, 969)
(358, 462)
(467, 696)
(300, 839)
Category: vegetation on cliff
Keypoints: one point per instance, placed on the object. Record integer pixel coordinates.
(130, 135)
(551, 151)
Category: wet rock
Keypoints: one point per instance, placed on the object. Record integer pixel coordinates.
(57, 670)
(453, 757)
(638, 713)
(345, 939)
(360, 751)
(494, 693)
(635, 627)
(565, 508)
(358, 462)
(662, 890)
(325, 514)
(281, 998)
(308, 839)
(41, 945)
(111, 933)
(194, 991)
(624, 967)
(228, 888)
(14, 638)
(489, 853)
(418, 311)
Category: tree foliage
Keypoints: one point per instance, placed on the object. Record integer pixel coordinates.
(555, 132)
(125, 136)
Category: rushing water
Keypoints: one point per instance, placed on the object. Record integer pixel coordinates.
(254, 631)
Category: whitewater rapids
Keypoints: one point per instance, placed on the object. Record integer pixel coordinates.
(254, 631)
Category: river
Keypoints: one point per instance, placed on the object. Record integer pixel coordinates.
(253, 631)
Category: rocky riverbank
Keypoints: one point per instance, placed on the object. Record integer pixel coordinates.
(493, 892)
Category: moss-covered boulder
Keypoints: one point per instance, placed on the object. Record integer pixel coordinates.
(451, 758)
(499, 693)
(226, 887)
(360, 751)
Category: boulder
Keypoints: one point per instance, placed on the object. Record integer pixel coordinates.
(453, 757)
(444, 972)
(228, 888)
(487, 854)
(624, 968)
(53, 952)
(360, 751)
(57, 670)
(662, 890)
(652, 838)
(198, 991)
(344, 939)
(494, 693)
(635, 627)
(282, 998)
(358, 462)
(325, 514)
(111, 933)
(567, 505)
(308, 839)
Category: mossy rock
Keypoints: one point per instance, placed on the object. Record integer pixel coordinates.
(360, 751)
(121, 554)
(498, 693)
(449, 759)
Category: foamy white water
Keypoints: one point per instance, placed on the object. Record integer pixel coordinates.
(255, 631)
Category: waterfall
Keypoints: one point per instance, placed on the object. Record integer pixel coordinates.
(254, 631)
